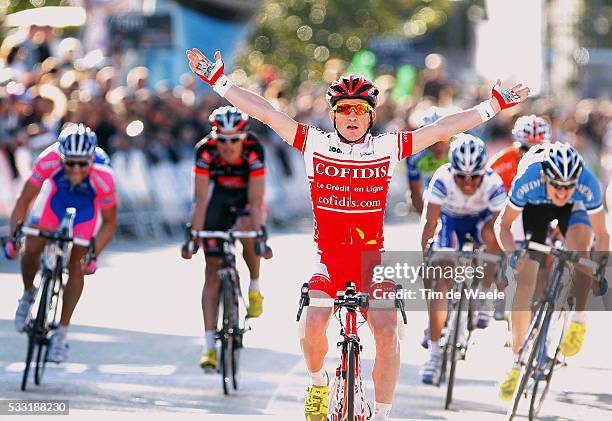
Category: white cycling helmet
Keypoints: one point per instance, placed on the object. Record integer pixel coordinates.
(467, 154)
(77, 141)
(562, 162)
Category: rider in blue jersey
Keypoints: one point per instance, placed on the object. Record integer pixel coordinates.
(552, 184)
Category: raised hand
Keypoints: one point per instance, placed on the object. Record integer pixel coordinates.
(209, 72)
(511, 97)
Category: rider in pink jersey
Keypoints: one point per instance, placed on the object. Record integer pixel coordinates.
(95, 192)
(349, 172)
(72, 173)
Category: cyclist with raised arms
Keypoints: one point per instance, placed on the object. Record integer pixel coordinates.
(230, 161)
(464, 198)
(73, 172)
(554, 185)
(349, 172)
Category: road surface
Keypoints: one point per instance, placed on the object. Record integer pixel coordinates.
(136, 340)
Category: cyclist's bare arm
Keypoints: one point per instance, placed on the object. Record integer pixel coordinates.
(503, 224)
(107, 230)
(200, 201)
(415, 195)
(27, 195)
(256, 197)
(259, 108)
(432, 214)
(253, 104)
(461, 121)
(598, 221)
(447, 126)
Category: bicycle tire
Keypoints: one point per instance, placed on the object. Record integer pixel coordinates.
(540, 341)
(43, 344)
(237, 345)
(454, 348)
(533, 410)
(39, 369)
(349, 390)
(443, 368)
(36, 330)
(226, 334)
(29, 354)
(527, 369)
(236, 342)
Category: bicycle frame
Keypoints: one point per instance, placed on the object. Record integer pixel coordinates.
(349, 366)
(459, 314)
(533, 353)
(230, 334)
(54, 264)
(344, 404)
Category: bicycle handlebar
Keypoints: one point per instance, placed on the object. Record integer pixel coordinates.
(227, 235)
(56, 236)
(571, 256)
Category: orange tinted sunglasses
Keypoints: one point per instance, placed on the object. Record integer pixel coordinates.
(359, 109)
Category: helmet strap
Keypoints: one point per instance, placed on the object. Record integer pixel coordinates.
(352, 142)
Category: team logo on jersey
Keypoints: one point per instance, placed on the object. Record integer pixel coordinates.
(353, 172)
(335, 149)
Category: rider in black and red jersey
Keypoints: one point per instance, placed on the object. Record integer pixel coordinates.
(349, 172)
(230, 161)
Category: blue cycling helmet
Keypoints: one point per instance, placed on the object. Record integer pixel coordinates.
(467, 154)
(562, 162)
(77, 141)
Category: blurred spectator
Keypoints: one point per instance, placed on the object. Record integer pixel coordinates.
(47, 82)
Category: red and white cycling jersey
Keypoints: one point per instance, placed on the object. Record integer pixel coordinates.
(349, 184)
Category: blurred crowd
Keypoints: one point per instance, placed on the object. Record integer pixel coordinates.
(46, 82)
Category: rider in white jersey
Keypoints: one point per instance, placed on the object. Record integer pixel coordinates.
(464, 198)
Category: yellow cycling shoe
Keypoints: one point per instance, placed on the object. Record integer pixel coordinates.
(315, 407)
(209, 360)
(255, 304)
(573, 339)
(506, 389)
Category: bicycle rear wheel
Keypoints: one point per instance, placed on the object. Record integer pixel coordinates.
(454, 349)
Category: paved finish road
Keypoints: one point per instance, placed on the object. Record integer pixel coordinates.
(135, 343)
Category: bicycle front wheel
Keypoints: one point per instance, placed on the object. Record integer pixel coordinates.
(237, 344)
(227, 342)
(51, 299)
(454, 344)
(531, 347)
(349, 386)
(37, 329)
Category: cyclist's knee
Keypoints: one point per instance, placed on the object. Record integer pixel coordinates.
(317, 319)
(34, 247)
(213, 264)
(385, 335)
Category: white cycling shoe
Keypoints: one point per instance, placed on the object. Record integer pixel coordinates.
(23, 309)
(58, 349)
